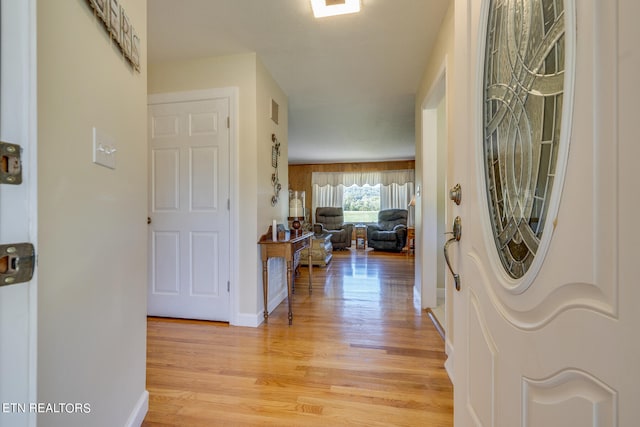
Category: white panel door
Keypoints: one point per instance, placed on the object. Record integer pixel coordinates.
(559, 346)
(189, 209)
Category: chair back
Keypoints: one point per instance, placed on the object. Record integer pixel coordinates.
(389, 218)
(330, 218)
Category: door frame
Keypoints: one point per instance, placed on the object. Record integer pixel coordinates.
(434, 205)
(232, 93)
(19, 109)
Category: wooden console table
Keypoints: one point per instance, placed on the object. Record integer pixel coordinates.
(411, 241)
(286, 249)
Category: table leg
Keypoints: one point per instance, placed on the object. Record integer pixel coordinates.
(310, 269)
(265, 288)
(289, 273)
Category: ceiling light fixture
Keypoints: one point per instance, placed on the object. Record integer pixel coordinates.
(323, 8)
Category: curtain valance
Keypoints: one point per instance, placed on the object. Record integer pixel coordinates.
(348, 179)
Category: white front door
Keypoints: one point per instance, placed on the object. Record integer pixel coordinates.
(189, 237)
(559, 344)
(18, 215)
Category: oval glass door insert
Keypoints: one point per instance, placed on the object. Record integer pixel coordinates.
(524, 65)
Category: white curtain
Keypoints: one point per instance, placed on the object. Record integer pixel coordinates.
(395, 192)
(396, 196)
(326, 196)
(361, 178)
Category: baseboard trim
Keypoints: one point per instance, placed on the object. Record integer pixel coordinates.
(448, 364)
(247, 320)
(436, 323)
(254, 320)
(139, 411)
(277, 299)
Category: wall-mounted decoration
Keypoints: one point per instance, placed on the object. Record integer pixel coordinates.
(118, 25)
(125, 33)
(114, 20)
(135, 48)
(275, 153)
(100, 6)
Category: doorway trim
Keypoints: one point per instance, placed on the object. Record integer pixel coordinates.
(19, 346)
(234, 178)
(435, 205)
(434, 185)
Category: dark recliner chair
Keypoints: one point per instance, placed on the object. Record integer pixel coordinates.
(390, 233)
(331, 221)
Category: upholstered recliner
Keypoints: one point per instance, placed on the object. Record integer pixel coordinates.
(331, 221)
(390, 233)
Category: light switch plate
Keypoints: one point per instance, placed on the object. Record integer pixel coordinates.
(104, 149)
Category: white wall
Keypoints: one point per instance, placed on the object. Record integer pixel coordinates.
(266, 90)
(92, 220)
(256, 88)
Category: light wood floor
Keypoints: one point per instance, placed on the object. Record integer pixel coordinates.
(360, 353)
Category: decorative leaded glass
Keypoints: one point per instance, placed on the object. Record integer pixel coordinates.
(523, 90)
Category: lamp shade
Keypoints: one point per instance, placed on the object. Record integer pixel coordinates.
(296, 204)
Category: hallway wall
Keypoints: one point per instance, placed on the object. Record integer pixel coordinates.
(92, 220)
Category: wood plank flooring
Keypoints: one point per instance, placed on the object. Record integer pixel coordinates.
(359, 353)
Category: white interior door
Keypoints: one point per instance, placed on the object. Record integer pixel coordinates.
(557, 346)
(18, 214)
(189, 237)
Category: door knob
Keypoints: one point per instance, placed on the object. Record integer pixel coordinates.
(455, 194)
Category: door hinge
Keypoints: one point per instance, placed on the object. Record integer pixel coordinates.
(17, 262)
(228, 122)
(228, 204)
(228, 286)
(10, 164)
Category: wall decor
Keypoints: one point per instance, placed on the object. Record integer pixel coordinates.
(117, 23)
(135, 48)
(125, 33)
(275, 181)
(100, 8)
(114, 20)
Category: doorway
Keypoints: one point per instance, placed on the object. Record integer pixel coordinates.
(434, 204)
(190, 205)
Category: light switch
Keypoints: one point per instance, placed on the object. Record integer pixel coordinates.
(104, 149)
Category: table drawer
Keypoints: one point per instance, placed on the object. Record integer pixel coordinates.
(298, 246)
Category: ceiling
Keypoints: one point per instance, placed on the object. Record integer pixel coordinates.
(351, 80)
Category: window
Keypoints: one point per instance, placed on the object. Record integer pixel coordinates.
(361, 203)
(362, 194)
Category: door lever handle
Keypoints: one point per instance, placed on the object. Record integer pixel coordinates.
(457, 234)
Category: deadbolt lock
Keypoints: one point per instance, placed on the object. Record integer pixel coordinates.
(455, 194)
(17, 262)
(10, 164)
